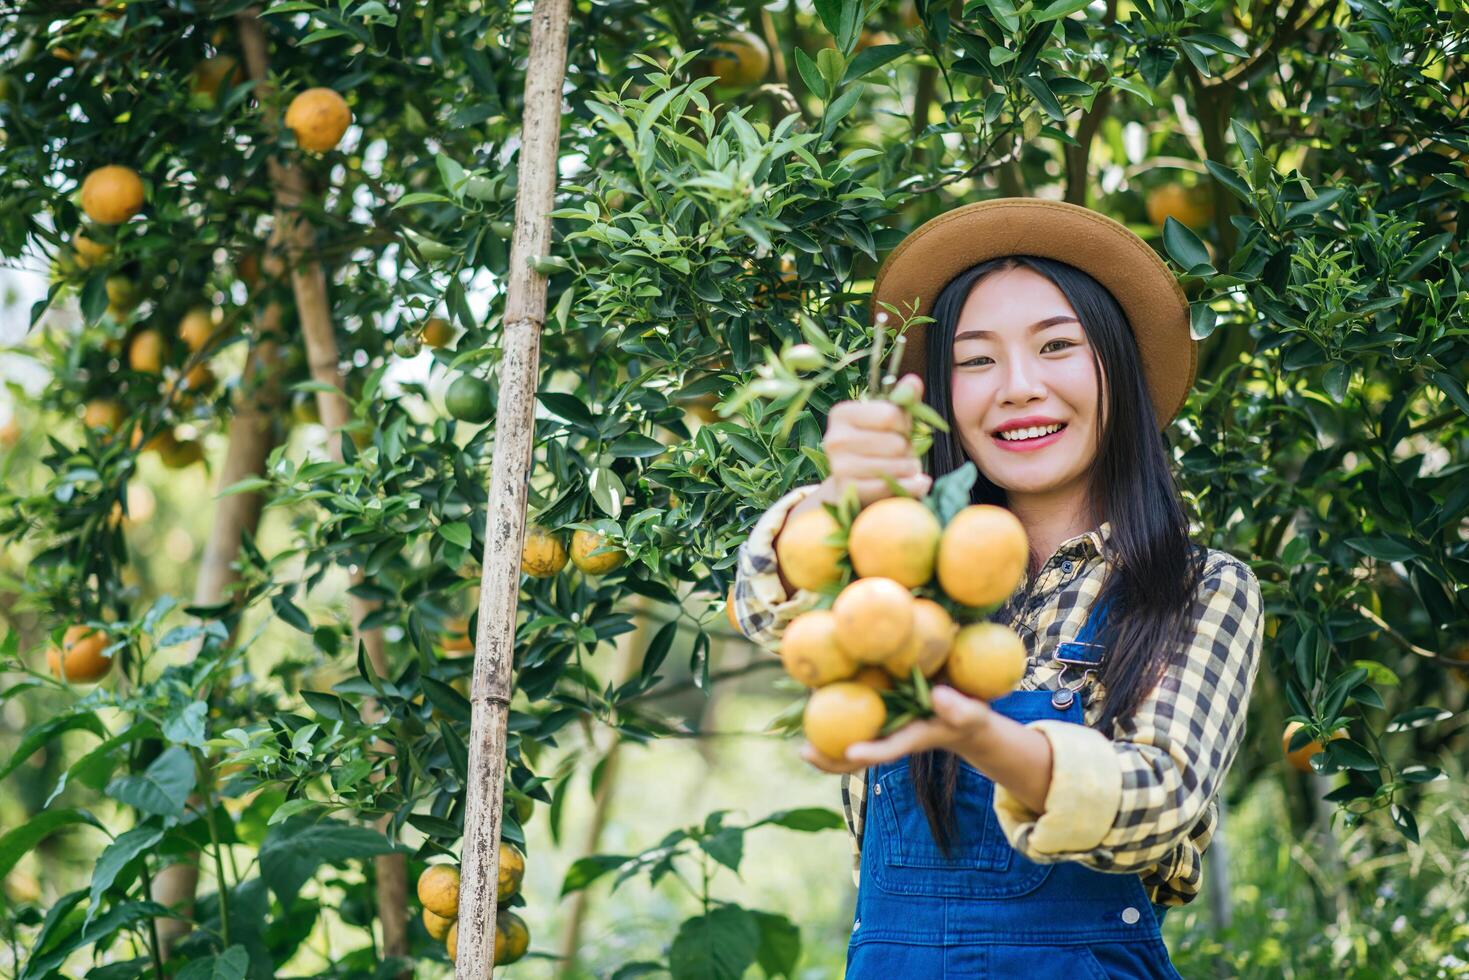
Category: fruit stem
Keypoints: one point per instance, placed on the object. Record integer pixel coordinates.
(874, 360)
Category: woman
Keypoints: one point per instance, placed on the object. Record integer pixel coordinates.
(1044, 834)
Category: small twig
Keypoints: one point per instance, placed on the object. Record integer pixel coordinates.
(1407, 644)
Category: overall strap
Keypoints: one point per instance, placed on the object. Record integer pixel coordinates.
(1083, 655)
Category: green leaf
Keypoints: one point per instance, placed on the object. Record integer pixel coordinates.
(1183, 246)
(457, 533)
(294, 849)
(115, 857)
(187, 726)
(806, 819)
(780, 944)
(1453, 388)
(870, 59)
(1060, 8)
(162, 788)
(232, 964)
(586, 870)
(811, 75)
(719, 946)
(727, 847)
(18, 842)
(48, 731)
(1383, 549)
(1320, 203)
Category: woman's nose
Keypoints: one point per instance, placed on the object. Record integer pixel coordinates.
(1021, 382)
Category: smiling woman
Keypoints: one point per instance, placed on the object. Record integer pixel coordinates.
(1044, 832)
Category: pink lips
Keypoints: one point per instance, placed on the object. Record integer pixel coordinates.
(1027, 445)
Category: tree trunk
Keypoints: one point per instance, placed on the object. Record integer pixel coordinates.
(525, 312)
(252, 437)
(308, 282)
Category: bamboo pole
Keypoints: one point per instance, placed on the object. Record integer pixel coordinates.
(308, 282)
(525, 312)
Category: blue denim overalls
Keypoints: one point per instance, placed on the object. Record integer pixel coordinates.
(987, 911)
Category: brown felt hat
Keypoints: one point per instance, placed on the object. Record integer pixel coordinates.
(942, 247)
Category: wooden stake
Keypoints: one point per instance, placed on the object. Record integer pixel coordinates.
(525, 312)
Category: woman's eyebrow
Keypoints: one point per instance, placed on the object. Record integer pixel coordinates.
(1038, 325)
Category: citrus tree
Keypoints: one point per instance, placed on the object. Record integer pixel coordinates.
(278, 238)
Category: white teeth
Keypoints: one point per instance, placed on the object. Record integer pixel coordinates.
(1034, 432)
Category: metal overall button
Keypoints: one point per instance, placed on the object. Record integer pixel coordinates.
(1130, 915)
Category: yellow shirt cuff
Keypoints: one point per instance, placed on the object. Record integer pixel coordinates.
(1082, 802)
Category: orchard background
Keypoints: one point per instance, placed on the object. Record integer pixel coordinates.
(279, 743)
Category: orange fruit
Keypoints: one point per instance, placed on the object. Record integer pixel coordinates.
(438, 332)
(451, 941)
(212, 74)
(457, 638)
(512, 872)
(199, 379)
(543, 554)
(874, 677)
(178, 454)
(896, 538)
(986, 661)
(1300, 758)
(123, 295)
(739, 61)
(88, 252)
(874, 619)
(112, 194)
(10, 432)
(809, 650)
(729, 611)
(842, 714)
(982, 555)
(583, 543)
(438, 890)
(103, 413)
(196, 327)
(1192, 206)
(145, 352)
(80, 659)
(438, 927)
(512, 938)
(928, 646)
(806, 559)
(318, 117)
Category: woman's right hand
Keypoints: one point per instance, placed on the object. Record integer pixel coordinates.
(865, 440)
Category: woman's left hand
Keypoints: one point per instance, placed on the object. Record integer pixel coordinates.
(959, 722)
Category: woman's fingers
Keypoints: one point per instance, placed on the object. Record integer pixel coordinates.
(826, 762)
(846, 466)
(876, 415)
(866, 442)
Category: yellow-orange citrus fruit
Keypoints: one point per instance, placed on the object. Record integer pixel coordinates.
(178, 454)
(88, 252)
(196, 327)
(874, 677)
(986, 660)
(982, 555)
(198, 379)
(512, 938)
(318, 117)
(123, 295)
(729, 611)
(928, 646)
(438, 890)
(437, 332)
(738, 61)
(512, 872)
(80, 658)
(456, 635)
(874, 619)
(896, 538)
(103, 413)
(145, 352)
(451, 941)
(1300, 758)
(583, 543)
(809, 650)
(438, 927)
(10, 432)
(842, 714)
(1193, 206)
(806, 559)
(112, 194)
(211, 74)
(543, 554)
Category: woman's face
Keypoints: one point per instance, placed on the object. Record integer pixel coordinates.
(1020, 353)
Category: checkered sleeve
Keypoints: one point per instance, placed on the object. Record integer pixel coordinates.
(761, 605)
(1164, 765)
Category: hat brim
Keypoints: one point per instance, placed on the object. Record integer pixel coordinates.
(924, 262)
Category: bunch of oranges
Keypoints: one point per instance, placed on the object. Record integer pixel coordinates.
(914, 608)
(438, 893)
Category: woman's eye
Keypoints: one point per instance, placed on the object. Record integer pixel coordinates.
(1057, 341)
(974, 361)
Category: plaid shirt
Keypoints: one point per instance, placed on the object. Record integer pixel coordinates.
(1142, 801)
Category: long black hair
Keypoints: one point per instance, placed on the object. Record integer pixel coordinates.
(1156, 568)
